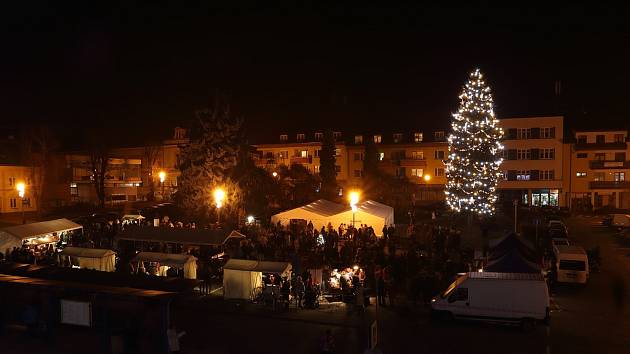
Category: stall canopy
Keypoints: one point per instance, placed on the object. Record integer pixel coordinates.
(13, 236)
(369, 213)
(318, 212)
(241, 277)
(179, 235)
(322, 212)
(512, 262)
(510, 242)
(133, 217)
(166, 260)
(92, 258)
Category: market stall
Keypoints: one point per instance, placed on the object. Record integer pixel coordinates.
(319, 212)
(132, 219)
(369, 213)
(37, 237)
(339, 284)
(160, 263)
(89, 258)
(241, 277)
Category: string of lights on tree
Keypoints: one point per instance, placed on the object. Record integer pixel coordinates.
(472, 167)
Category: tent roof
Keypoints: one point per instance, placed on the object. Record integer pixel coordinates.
(37, 229)
(87, 252)
(512, 262)
(178, 235)
(323, 207)
(258, 266)
(168, 259)
(133, 217)
(511, 242)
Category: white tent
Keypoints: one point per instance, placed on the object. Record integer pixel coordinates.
(241, 277)
(318, 212)
(35, 233)
(91, 258)
(166, 260)
(370, 213)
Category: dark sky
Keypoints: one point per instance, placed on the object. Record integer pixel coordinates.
(141, 70)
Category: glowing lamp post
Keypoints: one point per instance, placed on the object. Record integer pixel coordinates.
(162, 176)
(21, 188)
(354, 200)
(219, 197)
(275, 174)
(426, 178)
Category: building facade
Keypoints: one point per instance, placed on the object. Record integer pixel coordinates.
(10, 177)
(598, 168)
(533, 161)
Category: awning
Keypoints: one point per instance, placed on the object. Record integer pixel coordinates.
(179, 235)
(86, 252)
(133, 217)
(165, 259)
(258, 266)
(38, 229)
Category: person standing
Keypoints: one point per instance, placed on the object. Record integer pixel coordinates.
(299, 290)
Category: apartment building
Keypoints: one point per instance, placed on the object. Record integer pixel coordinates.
(10, 177)
(533, 161)
(410, 155)
(598, 168)
(302, 149)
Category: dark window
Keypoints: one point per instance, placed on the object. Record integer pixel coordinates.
(460, 294)
(439, 154)
(620, 156)
(582, 155)
(572, 265)
(600, 139)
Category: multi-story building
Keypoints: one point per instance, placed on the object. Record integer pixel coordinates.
(302, 149)
(598, 168)
(413, 156)
(10, 177)
(533, 161)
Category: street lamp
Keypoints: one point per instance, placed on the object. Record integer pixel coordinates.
(426, 178)
(275, 174)
(219, 197)
(162, 176)
(354, 200)
(21, 188)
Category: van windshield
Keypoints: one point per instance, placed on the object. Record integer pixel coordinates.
(572, 265)
(451, 287)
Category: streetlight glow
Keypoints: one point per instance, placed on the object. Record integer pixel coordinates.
(162, 176)
(219, 196)
(427, 178)
(250, 219)
(275, 174)
(21, 188)
(354, 200)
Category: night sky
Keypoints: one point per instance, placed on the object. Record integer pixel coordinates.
(139, 71)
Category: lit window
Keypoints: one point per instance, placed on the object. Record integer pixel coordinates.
(417, 155)
(358, 139)
(580, 174)
(417, 137)
(11, 181)
(397, 137)
(337, 152)
(377, 139)
(319, 136)
(417, 172)
(619, 176)
(317, 169)
(439, 172)
(13, 203)
(284, 137)
(304, 153)
(439, 135)
(523, 175)
(381, 156)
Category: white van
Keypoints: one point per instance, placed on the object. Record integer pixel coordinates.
(520, 298)
(571, 264)
(620, 221)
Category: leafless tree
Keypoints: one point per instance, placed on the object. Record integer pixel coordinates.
(99, 165)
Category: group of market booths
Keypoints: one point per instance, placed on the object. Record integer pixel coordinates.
(50, 239)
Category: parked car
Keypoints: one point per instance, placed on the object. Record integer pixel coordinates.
(517, 298)
(620, 221)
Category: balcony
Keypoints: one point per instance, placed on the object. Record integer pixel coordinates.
(410, 162)
(603, 164)
(301, 160)
(600, 146)
(262, 162)
(609, 184)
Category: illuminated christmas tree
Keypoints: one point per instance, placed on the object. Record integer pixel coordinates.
(472, 167)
